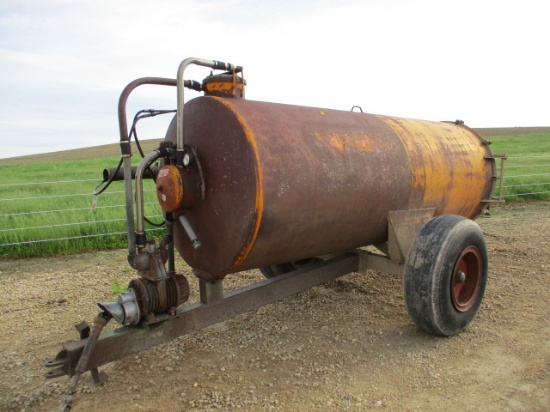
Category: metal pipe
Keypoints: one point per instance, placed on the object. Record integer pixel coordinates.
(190, 232)
(122, 121)
(127, 152)
(127, 165)
(213, 64)
(146, 161)
(171, 248)
(114, 174)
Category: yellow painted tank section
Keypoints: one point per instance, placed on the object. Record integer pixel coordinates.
(450, 165)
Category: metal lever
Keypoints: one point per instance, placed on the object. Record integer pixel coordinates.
(190, 232)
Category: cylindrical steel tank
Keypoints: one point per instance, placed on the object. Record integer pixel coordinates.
(286, 182)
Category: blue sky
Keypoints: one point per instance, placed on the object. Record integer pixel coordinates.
(63, 63)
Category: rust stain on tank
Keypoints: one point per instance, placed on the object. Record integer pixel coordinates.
(342, 141)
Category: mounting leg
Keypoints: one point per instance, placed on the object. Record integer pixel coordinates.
(211, 292)
(98, 378)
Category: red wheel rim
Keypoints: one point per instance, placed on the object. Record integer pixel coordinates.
(466, 279)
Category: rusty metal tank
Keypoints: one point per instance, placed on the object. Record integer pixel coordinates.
(284, 182)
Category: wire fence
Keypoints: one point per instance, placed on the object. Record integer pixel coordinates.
(41, 221)
(60, 217)
(527, 177)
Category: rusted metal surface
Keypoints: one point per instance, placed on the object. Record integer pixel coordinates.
(225, 218)
(146, 299)
(449, 163)
(129, 340)
(403, 225)
(284, 183)
(160, 296)
(84, 332)
(150, 263)
(169, 184)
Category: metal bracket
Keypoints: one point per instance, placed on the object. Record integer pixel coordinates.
(500, 177)
(403, 226)
(372, 261)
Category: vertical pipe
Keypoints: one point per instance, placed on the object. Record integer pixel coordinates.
(213, 64)
(171, 251)
(127, 166)
(146, 161)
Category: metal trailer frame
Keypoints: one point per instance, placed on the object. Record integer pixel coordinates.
(214, 306)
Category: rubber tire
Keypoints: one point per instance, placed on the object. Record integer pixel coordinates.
(283, 268)
(429, 272)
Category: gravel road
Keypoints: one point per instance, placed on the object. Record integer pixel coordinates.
(344, 346)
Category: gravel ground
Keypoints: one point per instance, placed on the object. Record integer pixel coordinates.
(344, 346)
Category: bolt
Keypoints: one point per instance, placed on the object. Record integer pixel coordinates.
(460, 277)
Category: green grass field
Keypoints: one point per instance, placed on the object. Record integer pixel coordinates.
(527, 169)
(48, 196)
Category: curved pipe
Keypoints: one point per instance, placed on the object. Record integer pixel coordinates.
(127, 152)
(140, 172)
(122, 121)
(213, 64)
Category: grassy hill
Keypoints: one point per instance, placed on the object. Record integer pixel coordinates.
(511, 131)
(87, 153)
(113, 150)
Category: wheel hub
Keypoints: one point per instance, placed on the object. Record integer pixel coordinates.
(466, 279)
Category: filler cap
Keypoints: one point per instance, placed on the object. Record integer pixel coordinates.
(224, 85)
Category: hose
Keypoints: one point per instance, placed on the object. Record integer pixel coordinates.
(142, 114)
